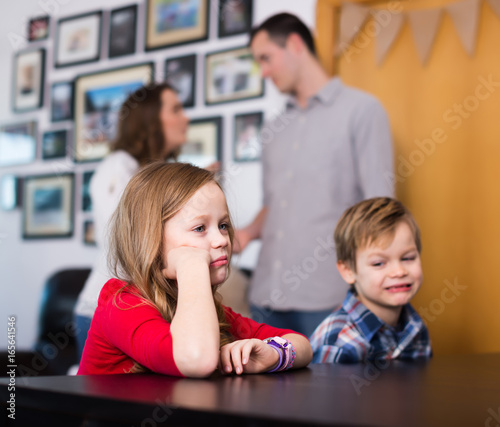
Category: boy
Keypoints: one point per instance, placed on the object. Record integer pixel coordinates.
(378, 254)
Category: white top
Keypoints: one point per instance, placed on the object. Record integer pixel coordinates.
(106, 187)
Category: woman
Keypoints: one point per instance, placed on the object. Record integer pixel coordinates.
(151, 126)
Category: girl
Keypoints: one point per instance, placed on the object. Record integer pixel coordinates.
(152, 126)
(170, 249)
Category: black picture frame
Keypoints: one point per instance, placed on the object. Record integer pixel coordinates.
(54, 144)
(61, 101)
(18, 143)
(180, 72)
(204, 142)
(122, 31)
(48, 206)
(78, 39)
(247, 145)
(98, 97)
(38, 28)
(28, 80)
(86, 199)
(232, 75)
(235, 17)
(166, 29)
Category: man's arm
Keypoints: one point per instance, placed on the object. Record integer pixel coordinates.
(243, 236)
(374, 151)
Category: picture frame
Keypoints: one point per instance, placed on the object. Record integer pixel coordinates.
(246, 141)
(97, 101)
(86, 199)
(28, 80)
(180, 72)
(78, 39)
(48, 206)
(38, 28)
(10, 192)
(54, 144)
(89, 233)
(203, 142)
(122, 31)
(18, 143)
(235, 17)
(61, 101)
(175, 22)
(232, 75)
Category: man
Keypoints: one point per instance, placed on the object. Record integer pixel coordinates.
(330, 149)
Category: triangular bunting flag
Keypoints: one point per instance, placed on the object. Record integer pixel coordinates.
(465, 16)
(495, 6)
(424, 25)
(388, 34)
(352, 18)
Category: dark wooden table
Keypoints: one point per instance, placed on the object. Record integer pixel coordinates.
(460, 390)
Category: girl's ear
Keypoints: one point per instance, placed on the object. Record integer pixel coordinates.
(346, 272)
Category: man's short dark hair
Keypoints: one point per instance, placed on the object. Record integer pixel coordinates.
(280, 26)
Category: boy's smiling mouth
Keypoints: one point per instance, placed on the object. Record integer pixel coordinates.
(403, 287)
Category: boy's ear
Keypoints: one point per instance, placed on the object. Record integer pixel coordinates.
(346, 272)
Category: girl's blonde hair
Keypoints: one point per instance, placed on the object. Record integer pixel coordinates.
(152, 197)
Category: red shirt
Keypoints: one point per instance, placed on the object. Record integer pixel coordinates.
(136, 331)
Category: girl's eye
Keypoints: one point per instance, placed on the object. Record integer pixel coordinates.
(199, 229)
(378, 264)
(409, 258)
(224, 226)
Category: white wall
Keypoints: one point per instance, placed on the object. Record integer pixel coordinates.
(25, 264)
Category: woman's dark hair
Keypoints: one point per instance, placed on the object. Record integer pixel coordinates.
(138, 131)
(280, 26)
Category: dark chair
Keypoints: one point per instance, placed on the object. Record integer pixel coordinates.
(55, 350)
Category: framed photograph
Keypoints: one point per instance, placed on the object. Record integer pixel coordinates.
(89, 233)
(232, 75)
(10, 192)
(246, 143)
(28, 80)
(98, 98)
(38, 28)
(86, 200)
(122, 31)
(17, 143)
(54, 144)
(174, 22)
(203, 145)
(61, 101)
(235, 17)
(78, 39)
(48, 206)
(181, 74)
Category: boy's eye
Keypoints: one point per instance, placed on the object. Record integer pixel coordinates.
(409, 258)
(199, 229)
(378, 264)
(224, 226)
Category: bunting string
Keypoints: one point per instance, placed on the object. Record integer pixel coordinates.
(387, 24)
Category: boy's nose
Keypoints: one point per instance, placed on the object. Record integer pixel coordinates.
(398, 270)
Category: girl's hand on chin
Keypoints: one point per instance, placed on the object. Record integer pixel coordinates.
(185, 257)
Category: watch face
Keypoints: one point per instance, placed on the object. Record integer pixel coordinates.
(278, 340)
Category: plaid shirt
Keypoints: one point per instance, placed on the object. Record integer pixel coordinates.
(353, 333)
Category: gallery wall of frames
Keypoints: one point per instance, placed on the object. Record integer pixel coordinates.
(83, 109)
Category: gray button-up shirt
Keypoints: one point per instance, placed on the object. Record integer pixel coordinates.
(317, 162)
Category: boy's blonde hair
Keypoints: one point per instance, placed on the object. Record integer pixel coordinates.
(152, 197)
(370, 221)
